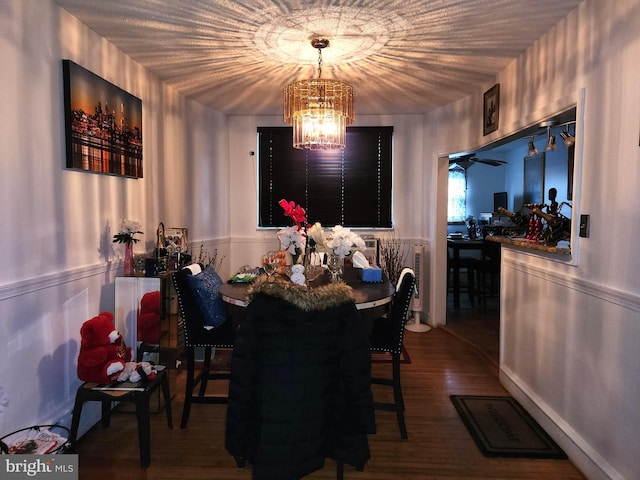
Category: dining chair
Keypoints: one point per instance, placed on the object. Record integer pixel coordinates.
(300, 388)
(387, 335)
(198, 335)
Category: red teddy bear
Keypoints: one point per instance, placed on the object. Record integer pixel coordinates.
(149, 318)
(102, 350)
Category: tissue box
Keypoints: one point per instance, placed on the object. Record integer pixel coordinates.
(371, 274)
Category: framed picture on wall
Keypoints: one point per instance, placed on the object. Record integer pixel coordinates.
(491, 111)
(533, 179)
(103, 124)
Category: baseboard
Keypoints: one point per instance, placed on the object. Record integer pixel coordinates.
(583, 456)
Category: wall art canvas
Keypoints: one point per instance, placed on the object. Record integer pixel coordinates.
(491, 110)
(103, 124)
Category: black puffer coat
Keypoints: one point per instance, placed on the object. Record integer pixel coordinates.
(300, 386)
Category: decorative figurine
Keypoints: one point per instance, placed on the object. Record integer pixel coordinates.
(519, 221)
(297, 274)
(552, 208)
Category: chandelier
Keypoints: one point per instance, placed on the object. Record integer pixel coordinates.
(319, 109)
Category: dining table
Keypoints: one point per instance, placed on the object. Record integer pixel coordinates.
(372, 299)
(456, 245)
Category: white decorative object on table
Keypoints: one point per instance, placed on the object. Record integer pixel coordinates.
(297, 274)
(359, 260)
(343, 241)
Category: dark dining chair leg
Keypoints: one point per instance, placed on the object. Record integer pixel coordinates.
(186, 409)
(398, 398)
(204, 375)
(456, 279)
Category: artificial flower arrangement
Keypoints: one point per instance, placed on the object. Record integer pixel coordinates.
(293, 239)
(128, 228)
(342, 241)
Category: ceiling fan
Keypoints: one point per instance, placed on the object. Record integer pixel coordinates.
(465, 161)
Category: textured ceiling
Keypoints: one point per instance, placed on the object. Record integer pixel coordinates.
(407, 56)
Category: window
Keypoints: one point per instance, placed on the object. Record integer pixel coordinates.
(457, 209)
(349, 187)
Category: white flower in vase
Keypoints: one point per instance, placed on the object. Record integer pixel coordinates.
(316, 233)
(292, 239)
(343, 241)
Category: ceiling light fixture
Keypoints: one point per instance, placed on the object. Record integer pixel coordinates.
(551, 140)
(319, 109)
(532, 150)
(567, 138)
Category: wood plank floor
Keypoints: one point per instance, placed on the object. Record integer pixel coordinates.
(439, 446)
(478, 325)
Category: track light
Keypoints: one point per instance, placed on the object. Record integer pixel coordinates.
(567, 138)
(532, 150)
(551, 140)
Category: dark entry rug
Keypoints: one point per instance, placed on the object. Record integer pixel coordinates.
(502, 428)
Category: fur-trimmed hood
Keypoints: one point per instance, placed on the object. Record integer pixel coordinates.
(307, 299)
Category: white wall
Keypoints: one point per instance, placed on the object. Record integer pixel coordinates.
(571, 330)
(60, 263)
(482, 182)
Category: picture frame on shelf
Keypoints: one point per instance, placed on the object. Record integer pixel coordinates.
(491, 110)
(177, 239)
(103, 124)
(176, 246)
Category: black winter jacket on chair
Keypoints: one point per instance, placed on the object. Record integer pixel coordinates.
(300, 387)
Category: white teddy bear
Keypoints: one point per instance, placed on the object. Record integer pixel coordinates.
(297, 275)
(134, 372)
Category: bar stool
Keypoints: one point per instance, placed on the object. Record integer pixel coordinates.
(487, 270)
(466, 264)
(140, 396)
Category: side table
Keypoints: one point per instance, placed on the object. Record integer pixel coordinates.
(140, 395)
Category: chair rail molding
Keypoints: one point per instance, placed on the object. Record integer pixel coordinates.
(51, 280)
(603, 292)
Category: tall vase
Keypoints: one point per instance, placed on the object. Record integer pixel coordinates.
(335, 264)
(128, 258)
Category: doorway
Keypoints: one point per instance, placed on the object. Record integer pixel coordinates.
(480, 324)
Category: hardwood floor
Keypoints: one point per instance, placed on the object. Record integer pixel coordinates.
(477, 325)
(439, 446)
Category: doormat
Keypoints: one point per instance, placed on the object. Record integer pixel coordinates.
(502, 428)
(385, 357)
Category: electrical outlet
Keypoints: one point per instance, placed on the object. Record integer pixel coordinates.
(584, 226)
